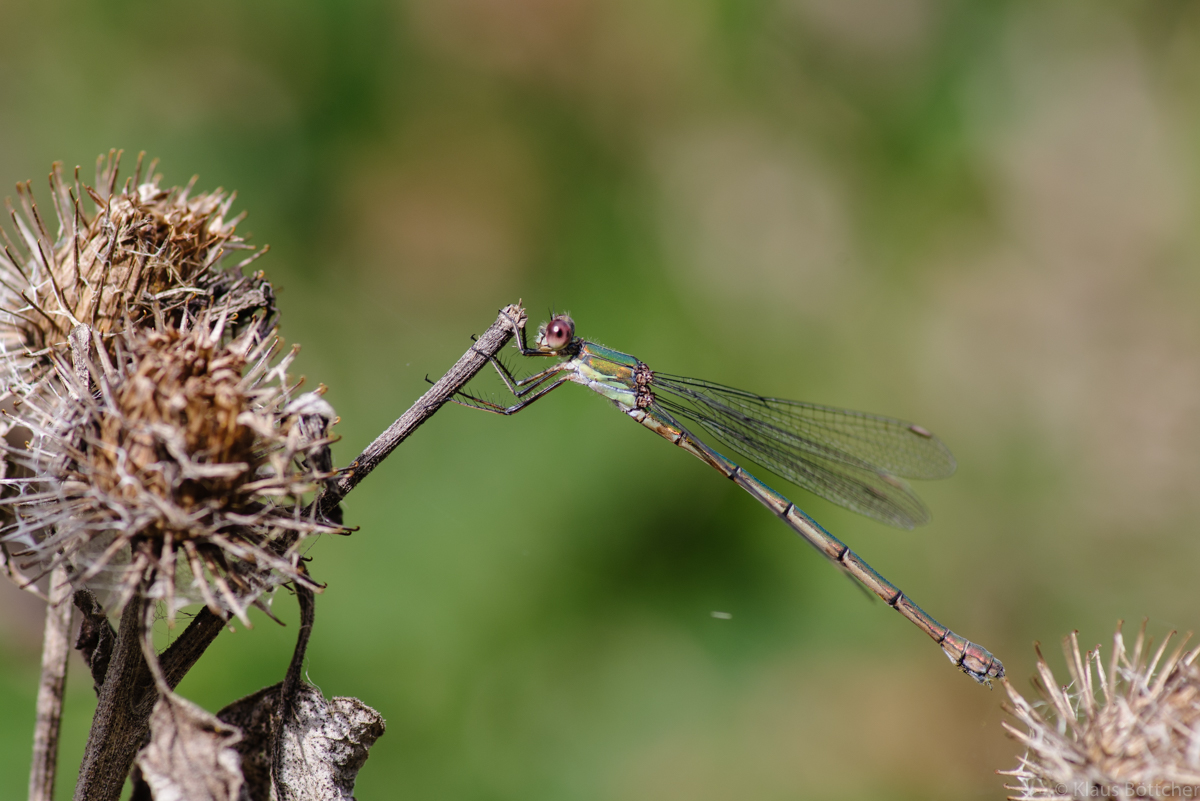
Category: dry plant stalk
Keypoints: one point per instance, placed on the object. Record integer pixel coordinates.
(1131, 730)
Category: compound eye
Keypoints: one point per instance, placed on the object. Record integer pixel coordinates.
(559, 332)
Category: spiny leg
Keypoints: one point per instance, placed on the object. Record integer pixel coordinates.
(511, 381)
(519, 336)
(523, 386)
(532, 383)
(519, 387)
(495, 408)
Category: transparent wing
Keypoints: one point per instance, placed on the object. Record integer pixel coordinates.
(851, 458)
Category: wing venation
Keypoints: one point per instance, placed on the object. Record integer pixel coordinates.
(854, 459)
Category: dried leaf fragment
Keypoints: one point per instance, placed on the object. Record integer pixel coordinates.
(191, 754)
(317, 754)
(96, 638)
(323, 746)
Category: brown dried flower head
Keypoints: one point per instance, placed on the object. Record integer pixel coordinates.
(1131, 730)
(101, 266)
(153, 441)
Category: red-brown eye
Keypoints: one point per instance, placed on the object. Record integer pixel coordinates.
(559, 332)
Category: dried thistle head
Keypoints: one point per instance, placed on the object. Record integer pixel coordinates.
(158, 446)
(113, 254)
(183, 395)
(1129, 730)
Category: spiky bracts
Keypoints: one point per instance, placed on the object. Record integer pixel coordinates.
(108, 267)
(153, 442)
(1131, 730)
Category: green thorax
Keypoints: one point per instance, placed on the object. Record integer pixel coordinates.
(611, 373)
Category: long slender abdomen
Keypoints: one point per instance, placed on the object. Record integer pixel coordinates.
(974, 660)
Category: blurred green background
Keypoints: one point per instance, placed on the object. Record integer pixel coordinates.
(981, 216)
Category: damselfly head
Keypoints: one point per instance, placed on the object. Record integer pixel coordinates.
(556, 334)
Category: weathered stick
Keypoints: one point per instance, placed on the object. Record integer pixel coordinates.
(56, 648)
(474, 360)
(127, 698)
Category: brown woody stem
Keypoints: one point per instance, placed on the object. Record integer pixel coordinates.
(467, 367)
(55, 650)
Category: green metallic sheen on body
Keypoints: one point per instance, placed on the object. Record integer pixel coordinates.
(607, 372)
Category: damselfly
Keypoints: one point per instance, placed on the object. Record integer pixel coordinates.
(854, 459)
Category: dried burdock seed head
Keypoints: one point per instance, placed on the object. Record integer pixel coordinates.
(188, 461)
(154, 445)
(182, 399)
(140, 256)
(1131, 730)
(114, 253)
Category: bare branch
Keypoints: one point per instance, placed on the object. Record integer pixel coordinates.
(55, 650)
(127, 698)
(117, 729)
(474, 360)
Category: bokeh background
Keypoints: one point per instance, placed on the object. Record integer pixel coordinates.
(979, 215)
